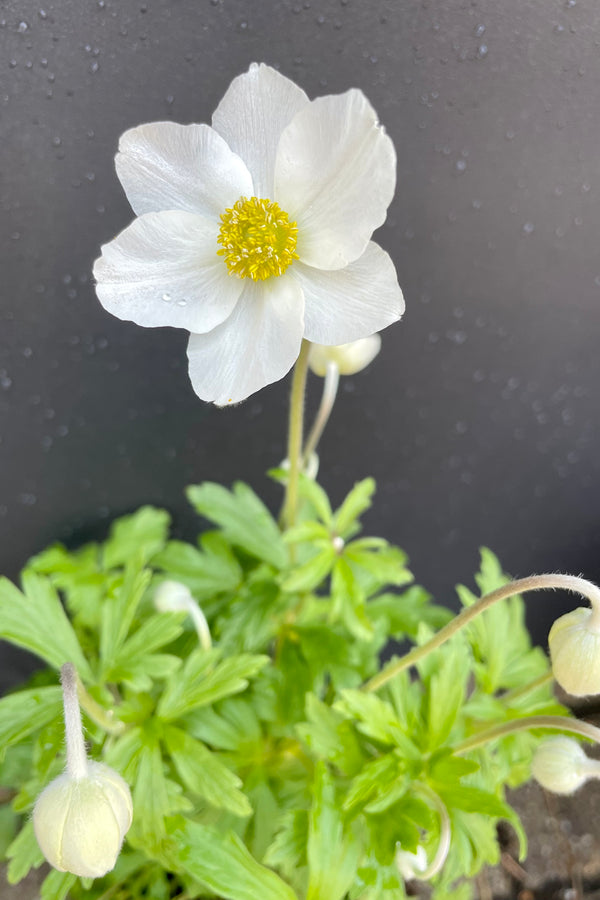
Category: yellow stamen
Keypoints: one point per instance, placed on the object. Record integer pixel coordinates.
(257, 239)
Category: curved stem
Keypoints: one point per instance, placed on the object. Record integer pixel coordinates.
(520, 586)
(77, 763)
(516, 693)
(200, 624)
(443, 849)
(103, 717)
(290, 503)
(556, 723)
(330, 388)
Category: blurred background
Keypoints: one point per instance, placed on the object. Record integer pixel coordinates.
(480, 417)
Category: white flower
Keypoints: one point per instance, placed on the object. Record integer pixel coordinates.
(255, 233)
(349, 358)
(560, 765)
(80, 823)
(574, 643)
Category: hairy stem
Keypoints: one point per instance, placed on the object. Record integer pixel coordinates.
(556, 723)
(290, 503)
(77, 763)
(520, 586)
(330, 387)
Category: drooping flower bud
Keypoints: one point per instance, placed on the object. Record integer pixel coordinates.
(82, 817)
(574, 642)
(349, 358)
(560, 765)
(173, 596)
(80, 823)
(411, 865)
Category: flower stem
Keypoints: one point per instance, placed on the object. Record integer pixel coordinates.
(557, 723)
(102, 717)
(77, 763)
(516, 693)
(443, 848)
(290, 503)
(330, 387)
(532, 583)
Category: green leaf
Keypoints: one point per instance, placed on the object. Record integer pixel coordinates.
(232, 726)
(355, 504)
(158, 631)
(332, 850)
(349, 601)
(307, 532)
(377, 719)
(318, 499)
(401, 614)
(222, 862)
(206, 572)
(118, 612)
(311, 574)
(24, 854)
(287, 852)
(446, 691)
(27, 711)
(154, 798)
(384, 564)
(329, 735)
(57, 885)
(245, 520)
(139, 536)
(473, 799)
(378, 777)
(203, 773)
(37, 622)
(202, 682)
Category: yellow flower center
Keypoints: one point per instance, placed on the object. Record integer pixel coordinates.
(257, 239)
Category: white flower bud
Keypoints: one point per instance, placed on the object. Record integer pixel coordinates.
(173, 596)
(411, 865)
(80, 823)
(349, 358)
(560, 765)
(574, 642)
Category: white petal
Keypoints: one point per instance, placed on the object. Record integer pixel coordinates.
(189, 167)
(335, 175)
(349, 358)
(350, 303)
(258, 344)
(164, 270)
(251, 116)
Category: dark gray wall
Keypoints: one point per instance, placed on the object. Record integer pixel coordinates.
(480, 417)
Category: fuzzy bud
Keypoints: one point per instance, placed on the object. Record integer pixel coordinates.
(80, 823)
(560, 765)
(349, 358)
(574, 642)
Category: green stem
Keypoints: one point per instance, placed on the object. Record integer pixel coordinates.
(532, 583)
(516, 693)
(443, 848)
(556, 723)
(290, 503)
(102, 717)
(330, 386)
